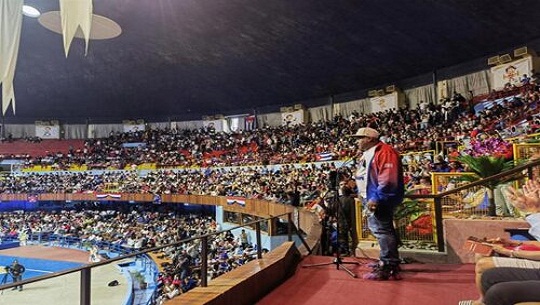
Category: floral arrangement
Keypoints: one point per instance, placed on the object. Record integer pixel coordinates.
(490, 146)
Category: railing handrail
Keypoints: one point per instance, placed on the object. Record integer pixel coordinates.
(510, 172)
(85, 274)
(438, 197)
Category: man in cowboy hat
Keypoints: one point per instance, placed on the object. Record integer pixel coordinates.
(379, 179)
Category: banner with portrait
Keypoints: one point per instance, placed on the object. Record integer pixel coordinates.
(384, 102)
(133, 126)
(47, 130)
(292, 118)
(217, 124)
(511, 73)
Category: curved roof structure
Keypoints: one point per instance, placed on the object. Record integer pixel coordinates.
(181, 59)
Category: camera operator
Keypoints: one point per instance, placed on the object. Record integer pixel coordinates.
(16, 271)
(340, 210)
(348, 238)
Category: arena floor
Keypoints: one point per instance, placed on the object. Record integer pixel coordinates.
(64, 290)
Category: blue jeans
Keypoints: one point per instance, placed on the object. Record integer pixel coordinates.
(381, 225)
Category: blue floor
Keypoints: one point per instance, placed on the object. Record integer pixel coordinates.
(34, 267)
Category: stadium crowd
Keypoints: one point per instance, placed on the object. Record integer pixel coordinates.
(137, 229)
(293, 180)
(418, 129)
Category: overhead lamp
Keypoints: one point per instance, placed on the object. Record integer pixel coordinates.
(30, 11)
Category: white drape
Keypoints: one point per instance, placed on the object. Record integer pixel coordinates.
(10, 35)
(477, 82)
(423, 93)
(187, 125)
(347, 108)
(75, 14)
(321, 113)
(270, 119)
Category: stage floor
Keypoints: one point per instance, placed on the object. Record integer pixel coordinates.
(424, 284)
(64, 290)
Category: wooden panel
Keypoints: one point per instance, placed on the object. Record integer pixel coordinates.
(256, 207)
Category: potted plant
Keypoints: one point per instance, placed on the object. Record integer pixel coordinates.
(484, 166)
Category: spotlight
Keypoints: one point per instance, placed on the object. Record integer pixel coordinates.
(30, 11)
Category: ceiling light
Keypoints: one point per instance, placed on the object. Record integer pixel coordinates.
(30, 11)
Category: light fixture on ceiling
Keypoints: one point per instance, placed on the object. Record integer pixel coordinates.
(102, 27)
(30, 11)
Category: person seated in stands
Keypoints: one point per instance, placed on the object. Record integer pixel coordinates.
(525, 80)
(422, 186)
(513, 275)
(189, 283)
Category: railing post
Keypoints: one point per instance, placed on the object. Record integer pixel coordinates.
(289, 226)
(258, 235)
(85, 286)
(439, 224)
(204, 261)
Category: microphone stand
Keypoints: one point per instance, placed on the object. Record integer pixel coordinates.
(339, 213)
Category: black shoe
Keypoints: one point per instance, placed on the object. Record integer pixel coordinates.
(378, 274)
(395, 273)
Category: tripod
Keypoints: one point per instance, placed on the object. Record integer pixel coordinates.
(338, 211)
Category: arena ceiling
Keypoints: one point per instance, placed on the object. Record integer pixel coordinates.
(181, 59)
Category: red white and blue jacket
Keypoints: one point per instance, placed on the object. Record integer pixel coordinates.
(385, 176)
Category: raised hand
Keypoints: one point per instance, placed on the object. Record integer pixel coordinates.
(527, 200)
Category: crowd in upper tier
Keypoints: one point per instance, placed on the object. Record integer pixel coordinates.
(287, 183)
(418, 129)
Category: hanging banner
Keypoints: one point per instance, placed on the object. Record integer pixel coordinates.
(216, 124)
(292, 118)
(384, 102)
(250, 122)
(133, 126)
(511, 73)
(47, 130)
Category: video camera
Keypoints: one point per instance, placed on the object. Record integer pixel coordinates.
(5, 270)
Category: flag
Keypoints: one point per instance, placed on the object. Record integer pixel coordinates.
(325, 156)
(236, 200)
(108, 196)
(250, 122)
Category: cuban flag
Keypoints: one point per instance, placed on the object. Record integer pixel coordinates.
(236, 200)
(250, 122)
(325, 156)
